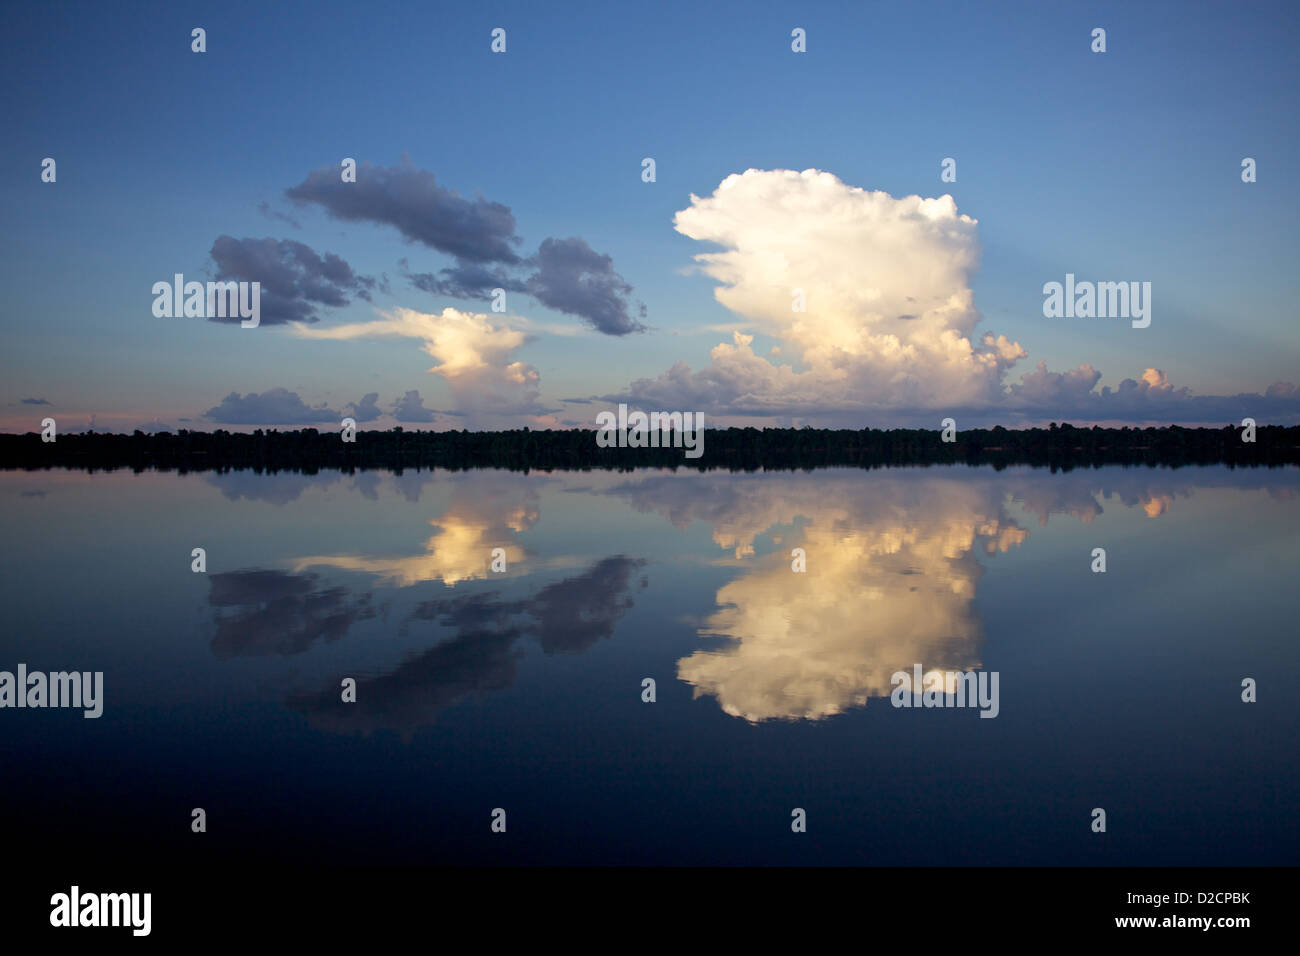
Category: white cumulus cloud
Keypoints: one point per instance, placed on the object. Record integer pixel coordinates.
(889, 318)
(889, 328)
(472, 354)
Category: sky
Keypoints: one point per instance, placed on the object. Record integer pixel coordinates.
(797, 257)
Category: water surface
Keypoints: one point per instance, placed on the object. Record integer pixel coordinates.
(522, 689)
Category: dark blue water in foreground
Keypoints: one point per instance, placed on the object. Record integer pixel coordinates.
(522, 690)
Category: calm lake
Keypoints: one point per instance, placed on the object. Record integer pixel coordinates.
(522, 689)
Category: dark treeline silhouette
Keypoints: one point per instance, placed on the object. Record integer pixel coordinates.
(736, 449)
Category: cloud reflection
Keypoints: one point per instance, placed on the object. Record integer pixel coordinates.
(278, 613)
(485, 513)
(891, 573)
(569, 617)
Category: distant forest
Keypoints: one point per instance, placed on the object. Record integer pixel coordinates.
(736, 449)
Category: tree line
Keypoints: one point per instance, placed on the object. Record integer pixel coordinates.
(736, 449)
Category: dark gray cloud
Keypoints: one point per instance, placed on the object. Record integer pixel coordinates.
(275, 406)
(572, 277)
(410, 408)
(465, 280)
(295, 280)
(410, 200)
(35, 401)
(366, 410)
(480, 236)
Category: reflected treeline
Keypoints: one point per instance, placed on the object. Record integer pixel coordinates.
(568, 616)
(738, 449)
(283, 487)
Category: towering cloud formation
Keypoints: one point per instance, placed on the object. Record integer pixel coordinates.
(889, 318)
(887, 328)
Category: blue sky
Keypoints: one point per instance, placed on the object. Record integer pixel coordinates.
(1123, 165)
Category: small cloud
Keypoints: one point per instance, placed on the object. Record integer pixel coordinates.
(276, 406)
(36, 401)
(365, 410)
(410, 408)
(466, 280)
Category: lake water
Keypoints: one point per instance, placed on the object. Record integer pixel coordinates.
(523, 689)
